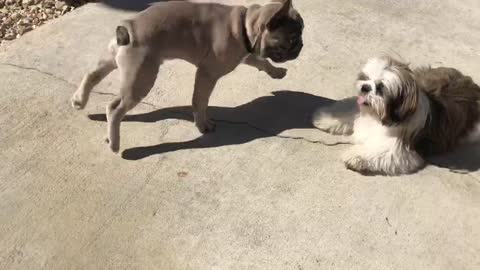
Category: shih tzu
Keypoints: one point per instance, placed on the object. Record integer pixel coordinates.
(403, 115)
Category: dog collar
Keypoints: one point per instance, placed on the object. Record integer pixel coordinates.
(246, 41)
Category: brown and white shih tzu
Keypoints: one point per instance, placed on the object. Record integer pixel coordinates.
(403, 115)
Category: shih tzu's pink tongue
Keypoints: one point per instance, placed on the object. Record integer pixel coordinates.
(360, 100)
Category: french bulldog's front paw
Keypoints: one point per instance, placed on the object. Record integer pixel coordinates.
(78, 102)
(205, 126)
(114, 145)
(278, 73)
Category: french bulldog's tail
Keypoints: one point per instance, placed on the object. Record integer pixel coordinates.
(125, 34)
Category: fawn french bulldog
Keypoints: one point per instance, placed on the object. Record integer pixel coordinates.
(215, 38)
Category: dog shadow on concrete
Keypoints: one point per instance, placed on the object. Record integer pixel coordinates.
(263, 117)
(139, 5)
(131, 5)
(464, 159)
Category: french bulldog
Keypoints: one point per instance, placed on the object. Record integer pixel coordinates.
(215, 38)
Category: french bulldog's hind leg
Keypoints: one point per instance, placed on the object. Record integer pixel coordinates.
(264, 65)
(116, 110)
(204, 84)
(104, 67)
(138, 79)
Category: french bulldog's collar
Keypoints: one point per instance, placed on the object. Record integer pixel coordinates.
(246, 40)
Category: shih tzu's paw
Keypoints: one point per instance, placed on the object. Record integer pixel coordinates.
(355, 163)
(328, 123)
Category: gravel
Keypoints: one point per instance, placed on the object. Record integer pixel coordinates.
(18, 17)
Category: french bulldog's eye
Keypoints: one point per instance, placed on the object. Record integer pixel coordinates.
(275, 41)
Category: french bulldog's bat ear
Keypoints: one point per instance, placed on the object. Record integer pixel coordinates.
(281, 13)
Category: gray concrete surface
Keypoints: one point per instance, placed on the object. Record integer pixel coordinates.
(245, 197)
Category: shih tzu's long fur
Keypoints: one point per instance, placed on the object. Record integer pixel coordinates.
(403, 115)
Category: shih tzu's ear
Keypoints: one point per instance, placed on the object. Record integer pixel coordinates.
(283, 12)
(400, 108)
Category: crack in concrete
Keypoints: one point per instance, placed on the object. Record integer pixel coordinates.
(278, 136)
(37, 70)
(112, 94)
(62, 79)
(265, 131)
(464, 172)
(474, 177)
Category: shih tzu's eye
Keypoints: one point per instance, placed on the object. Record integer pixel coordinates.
(379, 88)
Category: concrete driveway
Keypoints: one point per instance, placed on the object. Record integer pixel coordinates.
(258, 193)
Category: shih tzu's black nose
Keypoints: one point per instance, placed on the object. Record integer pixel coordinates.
(366, 88)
